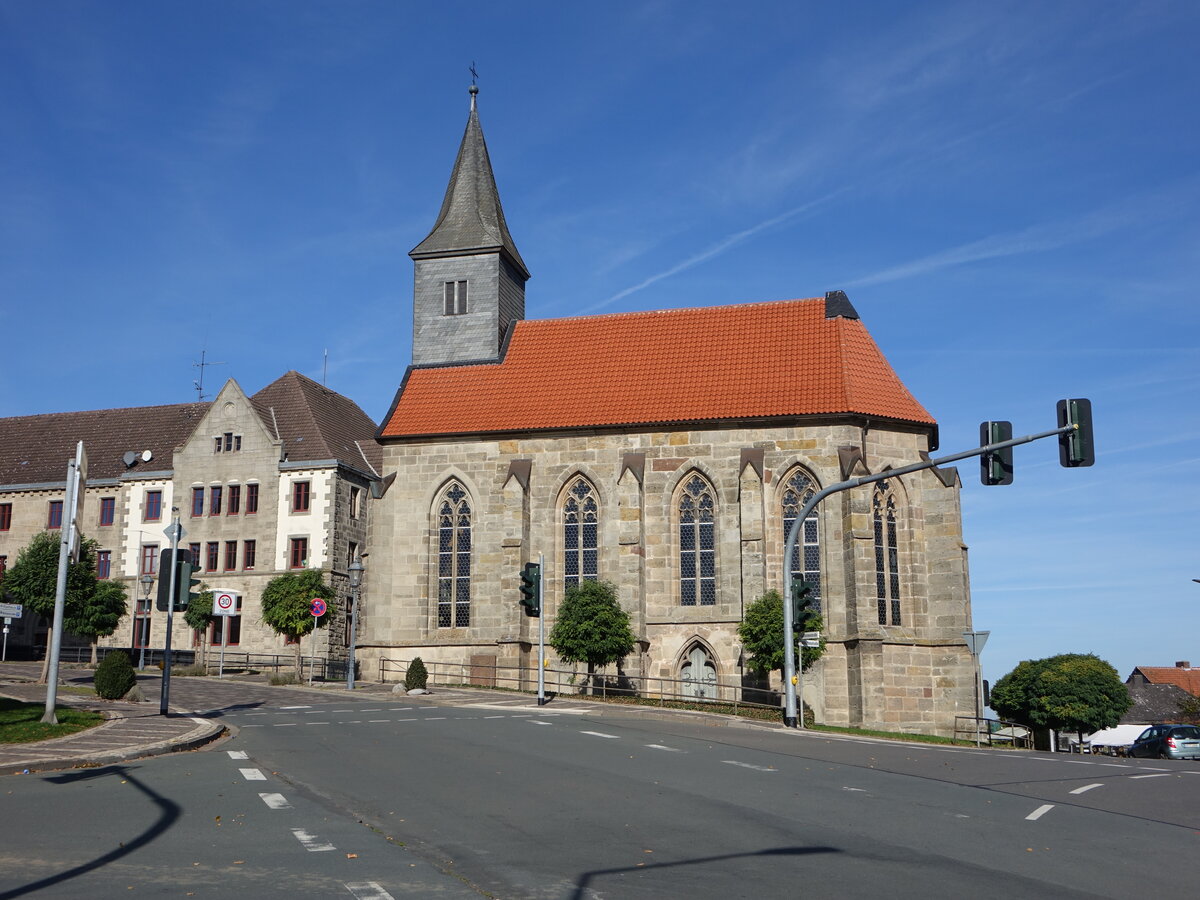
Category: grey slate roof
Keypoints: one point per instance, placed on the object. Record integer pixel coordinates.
(1154, 703)
(36, 449)
(316, 423)
(471, 219)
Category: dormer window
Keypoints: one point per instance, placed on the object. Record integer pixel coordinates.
(227, 443)
(456, 298)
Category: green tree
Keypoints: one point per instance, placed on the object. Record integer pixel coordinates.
(1070, 692)
(285, 605)
(33, 581)
(761, 632)
(100, 615)
(592, 627)
(199, 616)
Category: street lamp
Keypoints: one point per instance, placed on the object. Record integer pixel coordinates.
(355, 570)
(147, 579)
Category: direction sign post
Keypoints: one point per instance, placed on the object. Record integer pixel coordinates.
(316, 608)
(10, 611)
(76, 482)
(975, 641)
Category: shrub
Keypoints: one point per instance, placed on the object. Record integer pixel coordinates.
(283, 678)
(194, 671)
(416, 676)
(114, 676)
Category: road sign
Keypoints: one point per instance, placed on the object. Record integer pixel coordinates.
(170, 532)
(225, 603)
(317, 608)
(975, 641)
(11, 610)
(810, 639)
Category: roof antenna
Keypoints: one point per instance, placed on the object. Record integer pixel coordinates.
(199, 385)
(325, 369)
(474, 88)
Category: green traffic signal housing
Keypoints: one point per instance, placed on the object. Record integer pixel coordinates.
(803, 604)
(189, 585)
(531, 589)
(996, 466)
(186, 585)
(1075, 447)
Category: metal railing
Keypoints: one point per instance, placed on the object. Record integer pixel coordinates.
(713, 692)
(992, 732)
(315, 667)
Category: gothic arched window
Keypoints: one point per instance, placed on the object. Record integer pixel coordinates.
(697, 543)
(581, 534)
(887, 560)
(806, 555)
(698, 674)
(454, 557)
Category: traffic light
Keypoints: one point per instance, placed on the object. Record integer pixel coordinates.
(803, 604)
(531, 589)
(996, 467)
(186, 586)
(1075, 447)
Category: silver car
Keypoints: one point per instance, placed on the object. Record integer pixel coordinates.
(1168, 742)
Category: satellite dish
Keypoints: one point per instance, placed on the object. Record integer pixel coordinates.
(130, 458)
(147, 456)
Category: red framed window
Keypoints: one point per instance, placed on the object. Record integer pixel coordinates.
(235, 500)
(230, 555)
(214, 500)
(54, 517)
(299, 553)
(3, 565)
(103, 563)
(108, 510)
(153, 509)
(149, 559)
(251, 499)
(248, 550)
(213, 555)
(197, 501)
(301, 496)
(5, 516)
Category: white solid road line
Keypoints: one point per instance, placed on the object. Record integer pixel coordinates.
(275, 801)
(1039, 812)
(601, 734)
(368, 890)
(1086, 788)
(311, 842)
(734, 762)
(253, 775)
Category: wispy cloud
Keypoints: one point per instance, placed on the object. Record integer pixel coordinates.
(717, 249)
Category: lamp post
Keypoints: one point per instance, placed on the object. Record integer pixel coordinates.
(355, 570)
(147, 580)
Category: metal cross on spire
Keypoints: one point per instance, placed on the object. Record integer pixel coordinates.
(474, 74)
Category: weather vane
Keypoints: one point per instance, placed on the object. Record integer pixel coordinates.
(474, 74)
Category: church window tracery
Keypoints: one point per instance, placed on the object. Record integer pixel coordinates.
(695, 512)
(581, 525)
(887, 560)
(806, 555)
(454, 557)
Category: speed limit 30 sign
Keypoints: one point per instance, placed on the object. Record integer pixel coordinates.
(225, 603)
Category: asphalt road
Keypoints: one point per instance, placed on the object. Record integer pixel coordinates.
(567, 802)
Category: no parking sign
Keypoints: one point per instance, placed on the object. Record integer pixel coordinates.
(225, 603)
(317, 607)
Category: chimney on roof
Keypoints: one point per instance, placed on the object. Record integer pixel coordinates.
(1183, 664)
(838, 304)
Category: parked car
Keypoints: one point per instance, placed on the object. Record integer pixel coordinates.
(1168, 742)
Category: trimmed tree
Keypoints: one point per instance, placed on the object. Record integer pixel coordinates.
(100, 615)
(285, 606)
(1071, 692)
(761, 632)
(33, 581)
(592, 627)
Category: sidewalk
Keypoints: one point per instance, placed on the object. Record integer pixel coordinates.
(133, 730)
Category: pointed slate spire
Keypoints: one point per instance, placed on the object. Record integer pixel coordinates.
(471, 219)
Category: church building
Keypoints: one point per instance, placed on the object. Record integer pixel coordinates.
(666, 452)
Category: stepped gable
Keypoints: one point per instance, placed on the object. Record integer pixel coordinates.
(36, 449)
(316, 423)
(723, 363)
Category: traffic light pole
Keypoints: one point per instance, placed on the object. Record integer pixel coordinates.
(790, 678)
(166, 675)
(541, 630)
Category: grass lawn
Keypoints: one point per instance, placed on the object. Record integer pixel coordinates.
(22, 722)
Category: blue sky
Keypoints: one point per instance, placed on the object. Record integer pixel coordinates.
(1006, 191)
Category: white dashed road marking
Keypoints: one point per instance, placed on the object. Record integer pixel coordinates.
(275, 801)
(1039, 812)
(734, 762)
(859, 790)
(294, 707)
(311, 842)
(536, 722)
(237, 754)
(253, 775)
(601, 734)
(1085, 788)
(662, 747)
(1155, 775)
(368, 890)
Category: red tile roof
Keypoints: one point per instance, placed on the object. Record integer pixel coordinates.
(1188, 679)
(716, 363)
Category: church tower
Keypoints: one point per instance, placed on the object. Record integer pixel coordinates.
(469, 282)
